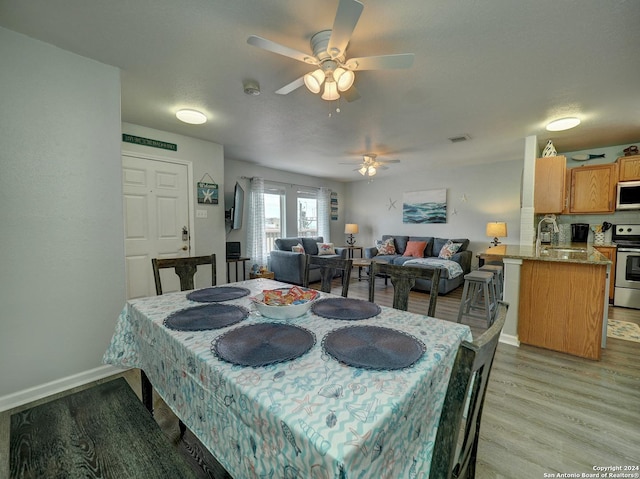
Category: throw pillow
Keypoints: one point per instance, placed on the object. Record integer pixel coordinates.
(298, 248)
(325, 249)
(386, 247)
(415, 249)
(449, 249)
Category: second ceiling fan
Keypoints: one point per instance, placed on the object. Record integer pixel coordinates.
(335, 73)
(370, 164)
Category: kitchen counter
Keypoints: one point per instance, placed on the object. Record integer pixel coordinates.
(558, 296)
(566, 253)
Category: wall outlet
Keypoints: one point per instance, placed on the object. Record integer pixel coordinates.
(201, 213)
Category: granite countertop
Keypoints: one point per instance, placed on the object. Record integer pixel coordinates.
(565, 253)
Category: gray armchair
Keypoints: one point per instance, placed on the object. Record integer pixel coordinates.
(288, 266)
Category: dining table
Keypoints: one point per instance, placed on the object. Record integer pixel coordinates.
(348, 390)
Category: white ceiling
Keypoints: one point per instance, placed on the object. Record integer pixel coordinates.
(496, 70)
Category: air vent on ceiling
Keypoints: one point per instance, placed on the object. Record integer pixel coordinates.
(458, 139)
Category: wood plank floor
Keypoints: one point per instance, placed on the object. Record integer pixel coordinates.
(545, 412)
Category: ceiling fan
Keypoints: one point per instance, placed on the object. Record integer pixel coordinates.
(334, 70)
(370, 164)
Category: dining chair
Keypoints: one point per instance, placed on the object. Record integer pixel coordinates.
(403, 278)
(185, 268)
(328, 267)
(456, 445)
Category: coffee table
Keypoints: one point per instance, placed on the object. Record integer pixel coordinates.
(365, 263)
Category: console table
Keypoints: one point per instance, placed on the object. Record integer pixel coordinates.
(236, 261)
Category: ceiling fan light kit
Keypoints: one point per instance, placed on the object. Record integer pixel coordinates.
(329, 47)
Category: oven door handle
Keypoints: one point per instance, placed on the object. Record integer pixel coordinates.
(628, 250)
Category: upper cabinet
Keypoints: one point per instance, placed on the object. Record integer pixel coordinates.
(549, 189)
(593, 188)
(629, 167)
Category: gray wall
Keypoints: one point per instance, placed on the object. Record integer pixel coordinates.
(476, 195)
(61, 237)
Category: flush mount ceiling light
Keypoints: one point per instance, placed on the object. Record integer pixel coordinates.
(193, 117)
(563, 124)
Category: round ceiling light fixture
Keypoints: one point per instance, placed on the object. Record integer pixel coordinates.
(563, 124)
(193, 117)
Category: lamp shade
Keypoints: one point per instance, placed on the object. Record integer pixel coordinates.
(344, 78)
(497, 229)
(313, 80)
(330, 91)
(351, 229)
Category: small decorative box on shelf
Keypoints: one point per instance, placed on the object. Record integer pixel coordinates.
(264, 274)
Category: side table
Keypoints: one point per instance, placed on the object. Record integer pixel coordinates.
(236, 261)
(351, 249)
(265, 275)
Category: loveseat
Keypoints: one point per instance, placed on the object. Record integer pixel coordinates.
(288, 265)
(392, 248)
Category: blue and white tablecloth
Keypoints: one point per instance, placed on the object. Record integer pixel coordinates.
(311, 417)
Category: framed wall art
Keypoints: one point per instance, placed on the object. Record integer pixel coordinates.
(429, 206)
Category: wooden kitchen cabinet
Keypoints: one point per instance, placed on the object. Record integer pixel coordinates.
(629, 167)
(610, 253)
(549, 188)
(593, 188)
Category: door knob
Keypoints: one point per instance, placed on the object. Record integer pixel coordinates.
(184, 248)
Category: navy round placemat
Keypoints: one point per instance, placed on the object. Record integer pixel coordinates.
(262, 344)
(217, 294)
(345, 308)
(373, 347)
(207, 316)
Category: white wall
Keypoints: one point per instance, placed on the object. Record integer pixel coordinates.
(207, 158)
(61, 233)
(475, 195)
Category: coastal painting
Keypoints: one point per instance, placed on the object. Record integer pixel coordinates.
(428, 206)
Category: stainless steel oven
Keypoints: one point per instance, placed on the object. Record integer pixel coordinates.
(627, 285)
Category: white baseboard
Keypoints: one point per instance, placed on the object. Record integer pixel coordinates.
(509, 339)
(41, 391)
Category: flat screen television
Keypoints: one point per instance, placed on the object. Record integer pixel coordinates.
(234, 215)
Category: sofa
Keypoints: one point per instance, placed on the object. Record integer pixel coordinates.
(453, 269)
(288, 266)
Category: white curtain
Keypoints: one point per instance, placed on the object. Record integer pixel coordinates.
(256, 238)
(324, 214)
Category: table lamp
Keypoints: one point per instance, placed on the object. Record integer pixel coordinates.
(497, 229)
(351, 229)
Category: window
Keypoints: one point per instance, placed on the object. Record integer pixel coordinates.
(274, 223)
(307, 214)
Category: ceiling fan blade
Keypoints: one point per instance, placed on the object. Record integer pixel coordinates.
(383, 162)
(345, 22)
(381, 62)
(294, 85)
(274, 47)
(351, 94)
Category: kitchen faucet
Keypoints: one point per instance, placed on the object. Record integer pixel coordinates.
(547, 219)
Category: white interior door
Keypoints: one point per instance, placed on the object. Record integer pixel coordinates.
(156, 216)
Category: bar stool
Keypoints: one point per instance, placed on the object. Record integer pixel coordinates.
(498, 277)
(478, 297)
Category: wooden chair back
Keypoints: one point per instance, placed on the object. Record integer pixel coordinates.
(328, 267)
(185, 268)
(403, 279)
(462, 409)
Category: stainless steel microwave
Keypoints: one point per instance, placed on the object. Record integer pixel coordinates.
(628, 197)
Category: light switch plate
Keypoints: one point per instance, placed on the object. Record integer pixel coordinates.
(201, 213)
